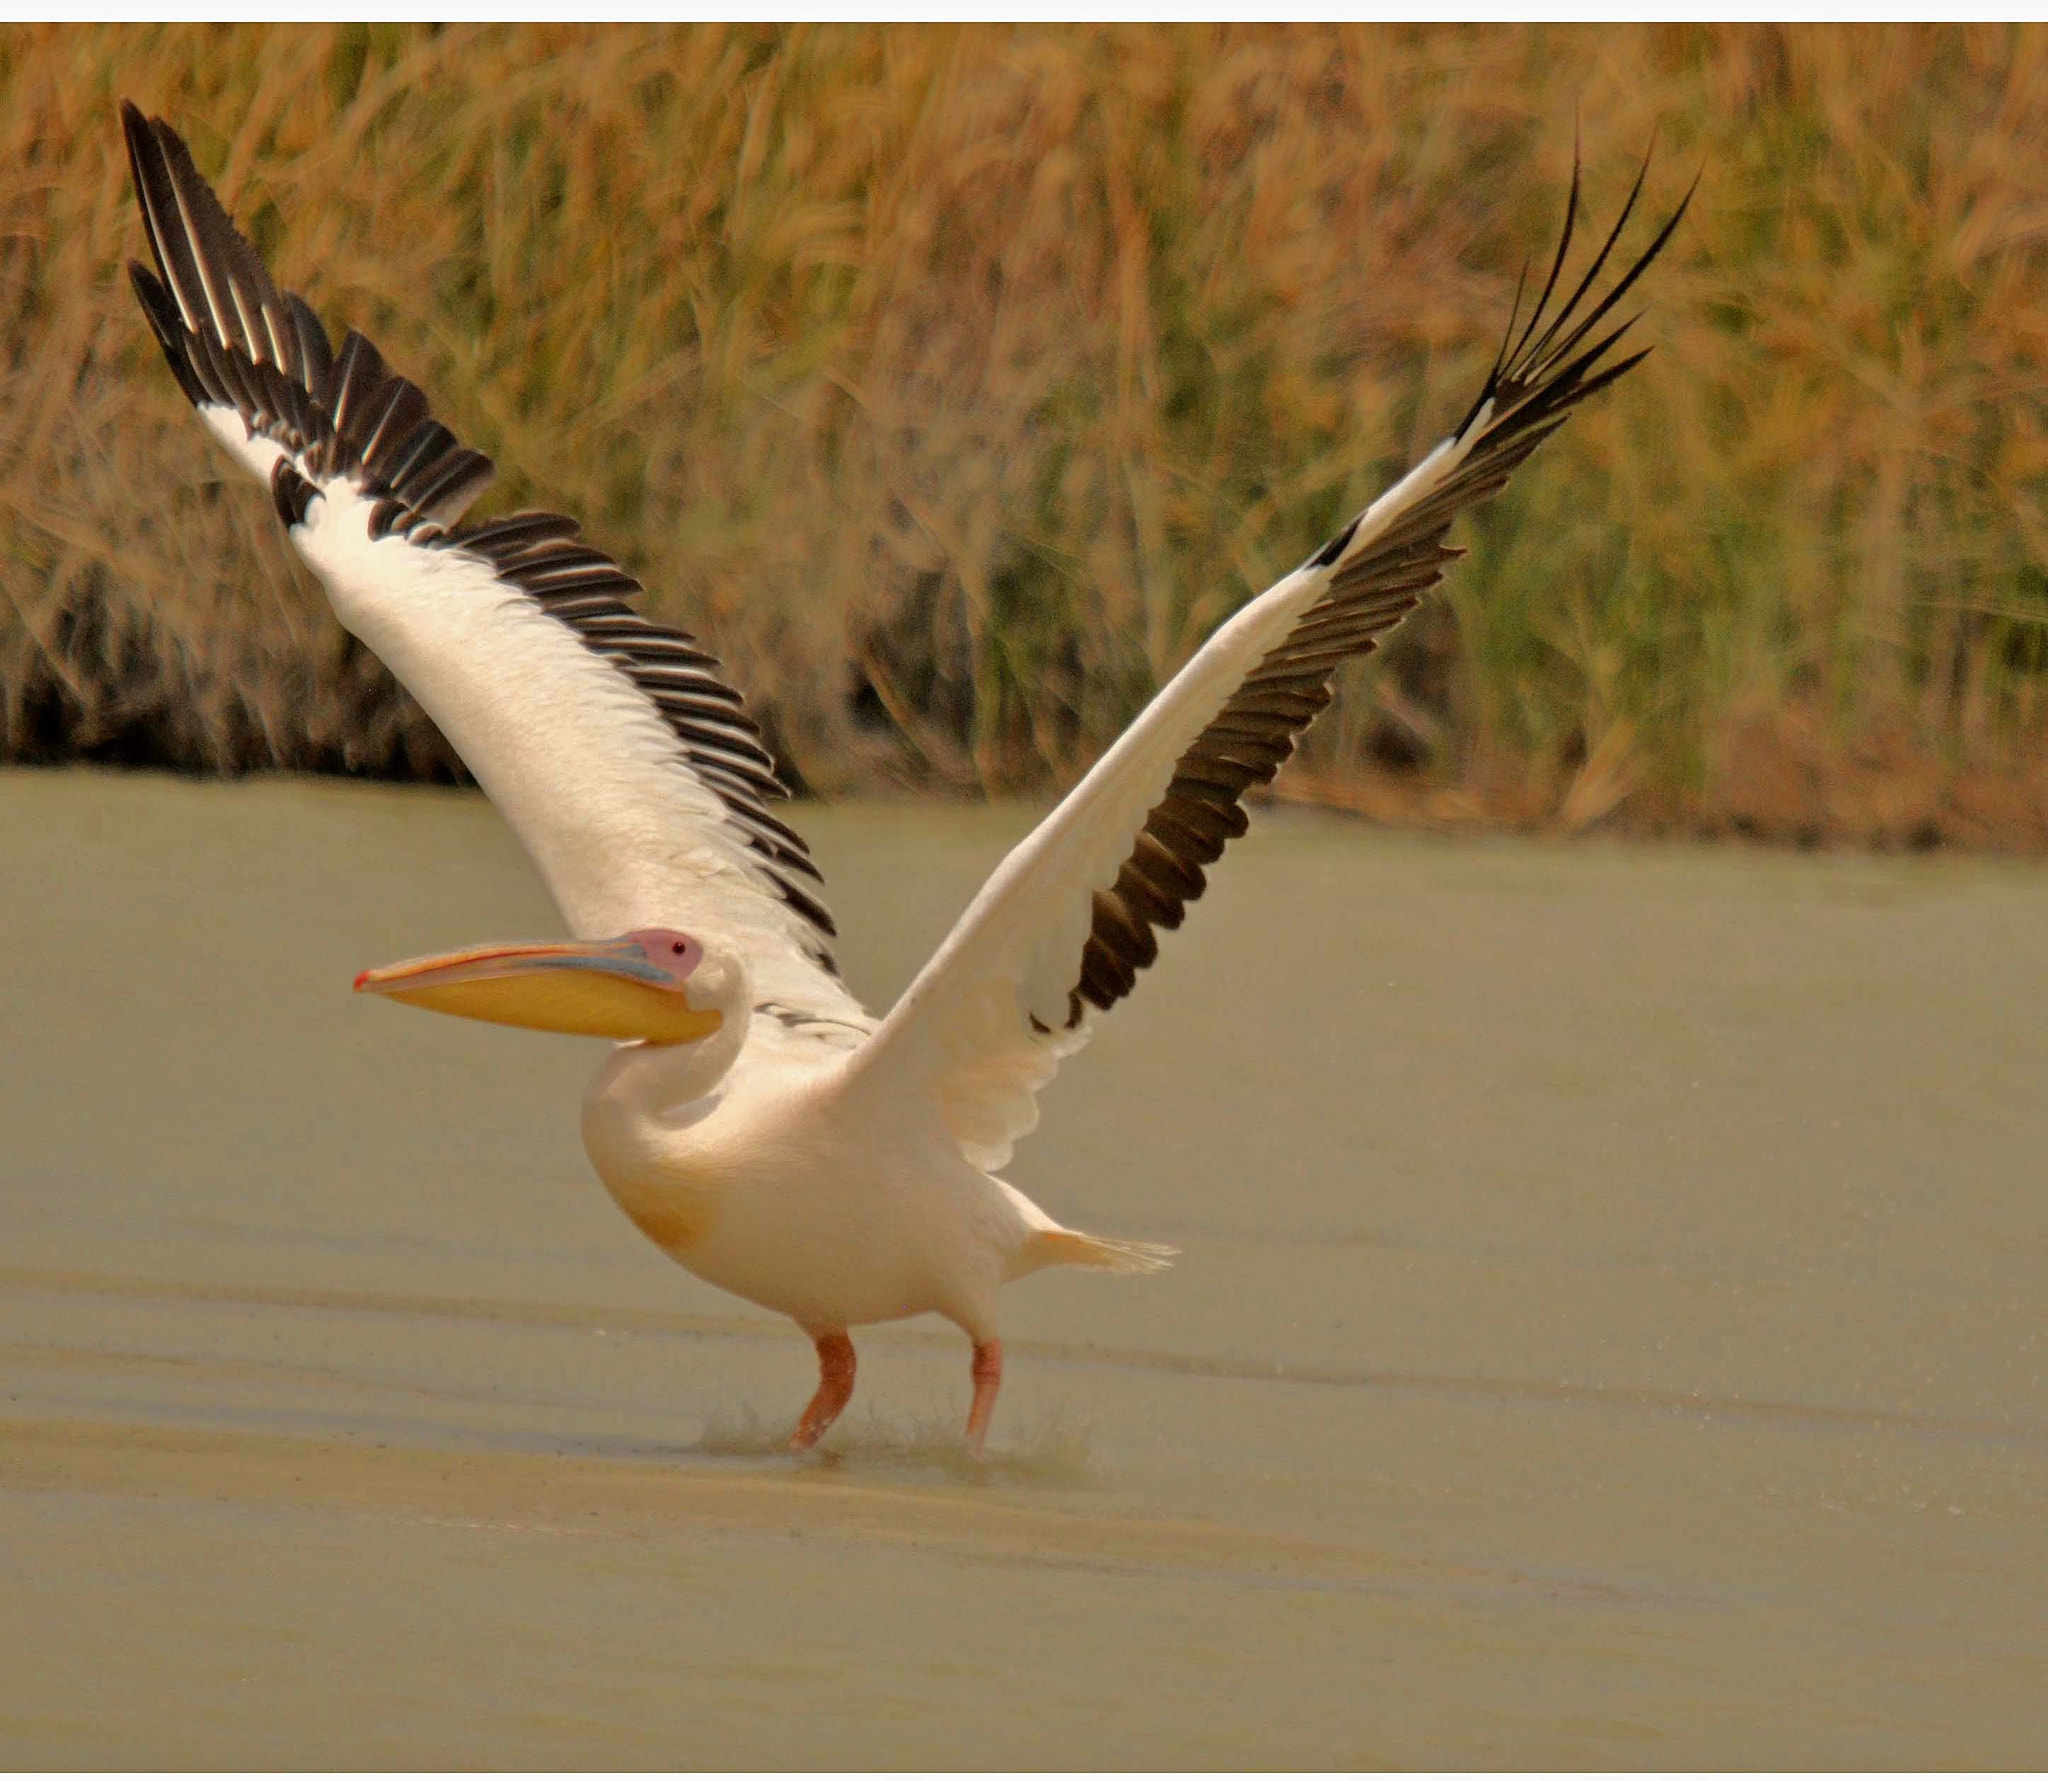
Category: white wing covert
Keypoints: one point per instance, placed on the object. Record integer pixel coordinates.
(614, 747)
(1064, 925)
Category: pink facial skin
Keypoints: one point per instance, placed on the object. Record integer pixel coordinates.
(674, 955)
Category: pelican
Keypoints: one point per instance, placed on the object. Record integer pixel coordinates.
(752, 1117)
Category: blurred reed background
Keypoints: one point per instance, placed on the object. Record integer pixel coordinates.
(954, 383)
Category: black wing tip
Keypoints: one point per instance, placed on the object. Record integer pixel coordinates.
(1539, 372)
(138, 129)
(161, 312)
(224, 326)
(146, 135)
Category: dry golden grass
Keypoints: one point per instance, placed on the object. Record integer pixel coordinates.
(955, 382)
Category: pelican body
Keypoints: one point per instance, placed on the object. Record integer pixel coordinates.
(753, 1119)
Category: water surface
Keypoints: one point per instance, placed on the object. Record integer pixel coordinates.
(1610, 1329)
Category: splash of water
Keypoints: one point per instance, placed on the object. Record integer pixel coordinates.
(1055, 1452)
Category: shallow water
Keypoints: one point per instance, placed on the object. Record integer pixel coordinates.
(1610, 1329)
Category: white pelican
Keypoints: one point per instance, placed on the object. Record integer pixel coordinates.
(754, 1119)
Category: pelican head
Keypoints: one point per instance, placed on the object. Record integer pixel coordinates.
(653, 984)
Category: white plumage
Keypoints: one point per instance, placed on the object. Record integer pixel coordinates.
(755, 1120)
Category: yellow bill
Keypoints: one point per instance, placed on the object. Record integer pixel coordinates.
(609, 989)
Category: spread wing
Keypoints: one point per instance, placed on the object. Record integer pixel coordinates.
(615, 748)
(1061, 930)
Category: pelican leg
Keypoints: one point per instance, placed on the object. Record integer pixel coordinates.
(988, 1380)
(835, 1386)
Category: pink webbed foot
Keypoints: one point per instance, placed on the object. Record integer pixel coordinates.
(835, 1386)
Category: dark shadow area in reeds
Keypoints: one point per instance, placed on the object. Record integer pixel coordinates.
(955, 383)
